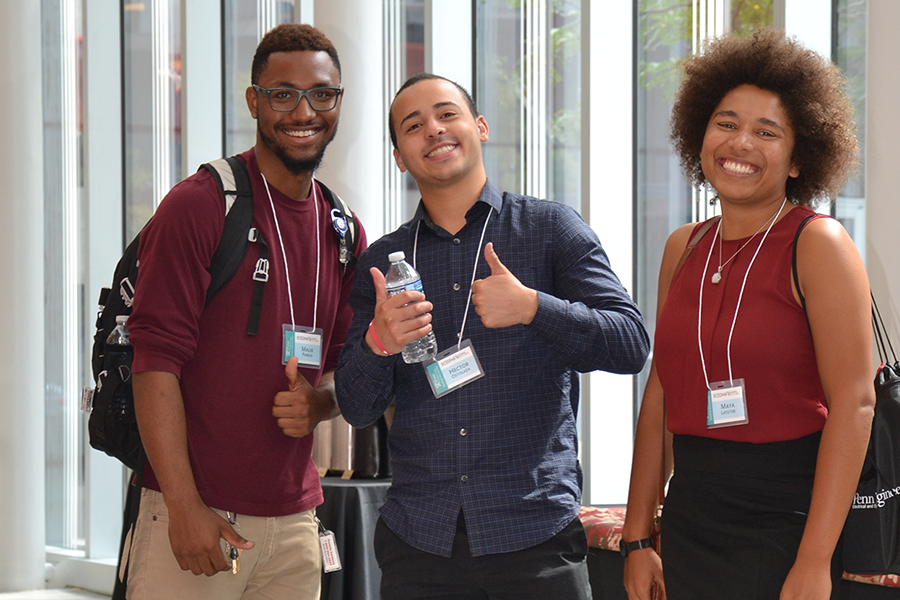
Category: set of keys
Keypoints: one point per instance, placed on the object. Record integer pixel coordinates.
(233, 553)
(331, 560)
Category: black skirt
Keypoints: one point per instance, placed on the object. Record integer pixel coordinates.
(734, 515)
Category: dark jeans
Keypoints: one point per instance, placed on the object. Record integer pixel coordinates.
(554, 569)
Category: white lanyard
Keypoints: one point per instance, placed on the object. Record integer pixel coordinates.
(474, 269)
(740, 296)
(287, 273)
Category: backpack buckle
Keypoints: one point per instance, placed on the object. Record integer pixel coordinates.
(253, 234)
(126, 289)
(261, 273)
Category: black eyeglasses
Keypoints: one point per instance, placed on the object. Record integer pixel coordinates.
(284, 99)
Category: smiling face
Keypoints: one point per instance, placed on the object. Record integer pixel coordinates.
(438, 137)
(296, 140)
(746, 154)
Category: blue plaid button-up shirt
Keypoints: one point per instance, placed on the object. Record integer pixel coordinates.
(502, 449)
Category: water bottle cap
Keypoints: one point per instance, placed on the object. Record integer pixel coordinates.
(120, 319)
(396, 256)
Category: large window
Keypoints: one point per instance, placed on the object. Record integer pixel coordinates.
(63, 272)
(527, 86)
(245, 24)
(152, 102)
(850, 56)
(527, 82)
(404, 56)
(669, 31)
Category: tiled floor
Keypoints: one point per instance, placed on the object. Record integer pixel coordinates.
(63, 594)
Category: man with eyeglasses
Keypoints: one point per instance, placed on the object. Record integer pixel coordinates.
(230, 484)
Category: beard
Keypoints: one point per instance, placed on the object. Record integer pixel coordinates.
(297, 166)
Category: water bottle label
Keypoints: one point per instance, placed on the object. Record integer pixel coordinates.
(453, 369)
(414, 286)
(303, 342)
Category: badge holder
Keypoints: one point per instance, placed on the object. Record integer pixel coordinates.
(453, 369)
(331, 559)
(457, 366)
(303, 342)
(726, 404)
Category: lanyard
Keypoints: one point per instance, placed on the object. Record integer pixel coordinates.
(740, 296)
(287, 273)
(474, 269)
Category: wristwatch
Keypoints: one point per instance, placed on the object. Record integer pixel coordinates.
(626, 547)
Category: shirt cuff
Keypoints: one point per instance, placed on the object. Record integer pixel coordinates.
(550, 317)
(368, 360)
(145, 360)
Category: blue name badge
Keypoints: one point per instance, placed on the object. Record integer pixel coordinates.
(303, 342)
(453, 368)
(726, 404)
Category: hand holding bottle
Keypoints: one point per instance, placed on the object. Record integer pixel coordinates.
(399, 319)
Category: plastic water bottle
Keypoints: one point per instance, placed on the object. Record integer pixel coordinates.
(400, 277)
(119, 359)
(119, 335)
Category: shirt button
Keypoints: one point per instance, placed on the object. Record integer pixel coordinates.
(463, 432)
(456, 241)
(456, 287)
(464, 478)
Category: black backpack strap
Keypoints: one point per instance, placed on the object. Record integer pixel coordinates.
(129, 524)
(260, 277)
(234, 182)
(794, 264)
(344, 227)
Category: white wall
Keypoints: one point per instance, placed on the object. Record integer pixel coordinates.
(882, 172)
(21, 297)
(607, 205)
(354, 160)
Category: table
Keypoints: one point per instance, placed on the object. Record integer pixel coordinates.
(350, 510)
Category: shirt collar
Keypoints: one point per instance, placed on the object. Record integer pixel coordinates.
(489, 195)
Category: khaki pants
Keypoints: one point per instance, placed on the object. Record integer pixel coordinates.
(284, 564)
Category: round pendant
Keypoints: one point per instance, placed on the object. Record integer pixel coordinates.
(716, 277)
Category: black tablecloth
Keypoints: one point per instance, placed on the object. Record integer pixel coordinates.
(350, 510)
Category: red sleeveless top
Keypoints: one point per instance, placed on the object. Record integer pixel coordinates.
(771, 347)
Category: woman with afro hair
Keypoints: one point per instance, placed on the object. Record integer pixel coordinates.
(761, 376)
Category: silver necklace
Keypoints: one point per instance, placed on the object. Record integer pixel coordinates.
(717, 276)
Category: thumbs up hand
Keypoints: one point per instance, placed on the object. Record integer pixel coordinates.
(301, 407)
(501, 300)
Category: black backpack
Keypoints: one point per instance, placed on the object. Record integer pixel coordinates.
(112, 425)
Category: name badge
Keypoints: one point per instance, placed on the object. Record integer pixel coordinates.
(453, 368)
(303, 342)
(726, 404)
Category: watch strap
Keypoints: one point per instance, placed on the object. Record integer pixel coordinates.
(627, 547)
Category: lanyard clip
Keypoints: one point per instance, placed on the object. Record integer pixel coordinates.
(339, 223)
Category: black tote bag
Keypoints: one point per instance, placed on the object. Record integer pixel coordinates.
(872, 530)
